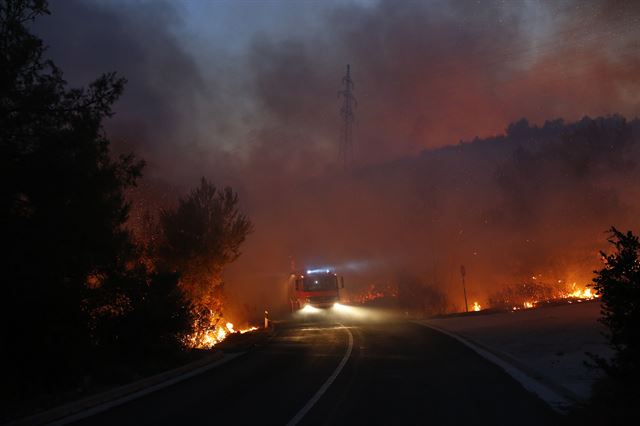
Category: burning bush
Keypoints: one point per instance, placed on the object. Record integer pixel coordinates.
(197, 240)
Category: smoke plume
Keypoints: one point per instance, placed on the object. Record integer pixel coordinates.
(513, 201)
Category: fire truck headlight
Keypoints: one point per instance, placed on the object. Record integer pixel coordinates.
(308, 309)
(340, 307)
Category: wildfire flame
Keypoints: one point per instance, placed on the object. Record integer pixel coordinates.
(570, 295)
(583, 294)
(209, 338)
(476, 306)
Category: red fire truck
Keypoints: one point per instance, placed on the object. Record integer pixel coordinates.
(317, 288)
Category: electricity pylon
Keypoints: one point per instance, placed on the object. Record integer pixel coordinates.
(349, 103)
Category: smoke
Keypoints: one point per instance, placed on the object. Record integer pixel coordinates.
(262, 116)
(535, 202)
(167, 98)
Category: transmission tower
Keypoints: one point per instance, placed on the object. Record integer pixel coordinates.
(349, 103)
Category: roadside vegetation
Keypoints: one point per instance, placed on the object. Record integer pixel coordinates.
(615, 396)
(421, 299)
(198, 239)
(83, 304)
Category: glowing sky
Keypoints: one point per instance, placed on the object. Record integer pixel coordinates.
(247, 81)
(245, 93)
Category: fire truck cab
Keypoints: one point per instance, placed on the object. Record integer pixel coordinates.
(318, 288)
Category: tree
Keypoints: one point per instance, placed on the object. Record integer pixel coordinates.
(62, 204)
(139, 320)
(618, 283)
(198, 239)
(203, 234)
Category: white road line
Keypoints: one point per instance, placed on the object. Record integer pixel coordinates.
(296, 419)
(556, 401)
(127, 398)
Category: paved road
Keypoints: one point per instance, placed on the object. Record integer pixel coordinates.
(397, 373)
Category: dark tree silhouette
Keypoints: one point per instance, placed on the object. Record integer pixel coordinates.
(71, 276)
(614, 399)
(202, 235)
(140, 322)
(618, 283)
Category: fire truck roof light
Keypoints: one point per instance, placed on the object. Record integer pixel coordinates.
(318, 271)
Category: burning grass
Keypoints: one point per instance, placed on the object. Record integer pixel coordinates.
(208, 337)
(532, 294)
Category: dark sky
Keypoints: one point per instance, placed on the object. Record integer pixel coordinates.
(245, 93)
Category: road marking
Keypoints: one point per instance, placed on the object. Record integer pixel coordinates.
(554, 399)
(309, 405)
(135, 395)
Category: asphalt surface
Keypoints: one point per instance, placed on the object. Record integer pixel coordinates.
(397, 373)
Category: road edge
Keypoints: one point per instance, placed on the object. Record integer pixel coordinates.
(556, 396)
(94, 404)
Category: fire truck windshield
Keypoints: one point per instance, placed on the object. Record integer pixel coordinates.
(320, 282)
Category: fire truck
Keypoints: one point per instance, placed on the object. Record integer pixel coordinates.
(316, 288)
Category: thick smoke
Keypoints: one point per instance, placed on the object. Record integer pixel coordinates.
(167, 98)
(264, 118)
(535, 202)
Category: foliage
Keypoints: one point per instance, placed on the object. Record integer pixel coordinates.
(139, 316)
(618, 283)
(200, 237)
(73, 289)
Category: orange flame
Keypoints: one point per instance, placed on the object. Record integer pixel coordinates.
(211, 337)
